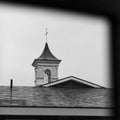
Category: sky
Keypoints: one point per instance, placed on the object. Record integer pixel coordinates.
(81, 41)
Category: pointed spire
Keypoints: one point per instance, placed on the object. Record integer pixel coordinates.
(46, 54)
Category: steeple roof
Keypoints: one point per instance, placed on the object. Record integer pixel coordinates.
(46, 54)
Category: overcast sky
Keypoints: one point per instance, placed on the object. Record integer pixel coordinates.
(80, 41)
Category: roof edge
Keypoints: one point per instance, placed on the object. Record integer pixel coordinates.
(97, 86)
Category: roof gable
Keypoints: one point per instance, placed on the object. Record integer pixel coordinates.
(71, 83)
(75, 79)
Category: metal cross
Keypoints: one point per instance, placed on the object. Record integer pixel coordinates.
(46, 34)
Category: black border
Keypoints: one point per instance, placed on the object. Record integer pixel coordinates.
(106, 8)
(57, 117)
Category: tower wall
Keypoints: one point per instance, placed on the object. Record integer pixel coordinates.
(40, 75)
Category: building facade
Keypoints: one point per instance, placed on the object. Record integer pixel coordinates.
(46, 67)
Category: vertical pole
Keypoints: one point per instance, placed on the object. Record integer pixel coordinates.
(11, 86)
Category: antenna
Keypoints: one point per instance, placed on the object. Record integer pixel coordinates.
(46, 32)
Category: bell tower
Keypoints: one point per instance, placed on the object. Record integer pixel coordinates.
(46, 67)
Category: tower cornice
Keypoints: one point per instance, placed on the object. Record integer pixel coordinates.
(40, 61)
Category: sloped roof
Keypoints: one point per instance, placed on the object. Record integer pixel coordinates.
(73, 79)
(46, 54)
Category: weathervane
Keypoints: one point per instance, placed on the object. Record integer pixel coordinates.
(46, 34)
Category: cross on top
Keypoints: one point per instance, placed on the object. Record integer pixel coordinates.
(46, 33)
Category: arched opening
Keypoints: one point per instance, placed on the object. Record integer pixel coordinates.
(48, 73)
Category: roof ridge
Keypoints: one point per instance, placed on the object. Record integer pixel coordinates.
(75, 78)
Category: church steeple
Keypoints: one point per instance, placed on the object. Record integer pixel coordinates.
(46, 67)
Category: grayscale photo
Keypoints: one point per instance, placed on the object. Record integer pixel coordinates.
(54, 59)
